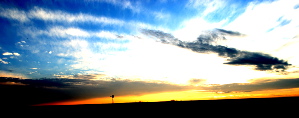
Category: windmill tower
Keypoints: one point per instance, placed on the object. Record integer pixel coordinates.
(112, 96)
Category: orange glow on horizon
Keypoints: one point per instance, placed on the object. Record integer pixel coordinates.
(183, 96)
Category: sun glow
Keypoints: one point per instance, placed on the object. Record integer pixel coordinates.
(183, 96)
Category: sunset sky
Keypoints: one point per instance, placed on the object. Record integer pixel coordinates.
(148, 50)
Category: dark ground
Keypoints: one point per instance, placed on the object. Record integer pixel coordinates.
(254, 104)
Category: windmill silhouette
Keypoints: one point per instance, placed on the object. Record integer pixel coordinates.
(112, 96)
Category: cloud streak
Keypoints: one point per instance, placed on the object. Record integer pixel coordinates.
(55, 15)
(258, 85)
(36, 91)
(14, 14)
(207, 43)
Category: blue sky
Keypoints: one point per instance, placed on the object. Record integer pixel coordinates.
(67, 38)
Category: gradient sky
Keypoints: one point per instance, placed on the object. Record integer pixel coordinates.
(98, 47)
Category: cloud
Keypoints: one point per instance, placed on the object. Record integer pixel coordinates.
(49, 15)
(35, 91)
(7, 53)
(12, 55)
(107, 35)
(72, 32)
(55, 15)
(16, 54)
(125, 4)
(4, 62)
(161, 15)
(205, 43)
(280, 17)
(258, 85)
(262, 61)
(10, 73)
(190, 29)
(14, 14)
(233, 33)
(75, 32)
(209, 5)
(196, 81)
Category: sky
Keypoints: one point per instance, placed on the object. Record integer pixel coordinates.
(186, 50)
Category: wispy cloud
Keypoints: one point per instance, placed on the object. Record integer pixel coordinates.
(125, 4)
(49, 15)
(55, 16)
(56, 31)
(161, 15)
(73, 32)
(268, 16)
(136, 7)
(4, 62)
(107, 35)
(14, 14)
(209, 5)
(258, 85)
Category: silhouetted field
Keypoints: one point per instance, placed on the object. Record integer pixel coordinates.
(256, 103)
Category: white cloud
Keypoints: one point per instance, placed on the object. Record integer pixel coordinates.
(64, 32)
(14, 14)
(4, 62)
(288, 51)
(210, 5)
(49, 15)
(161, 15)
(106, 34)
(77, 43)
(192, 28)
(149, 60)
(88, 56)
(7, 53)
(16, 54)
(63, 55)
(75, 32)
(262, 24)
(58, 31)
(55, 15)
(260, 18)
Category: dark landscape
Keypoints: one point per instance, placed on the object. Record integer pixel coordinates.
(277, 103)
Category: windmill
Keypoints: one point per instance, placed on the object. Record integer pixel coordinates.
(112, 96)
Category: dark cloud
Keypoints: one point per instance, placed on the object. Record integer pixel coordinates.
(233, 33)
(162, 36)
(262, 61)
(265, 84)
(35, 91)
(197, 81)
(205, 44)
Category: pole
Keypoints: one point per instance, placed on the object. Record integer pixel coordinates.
(112, 96)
